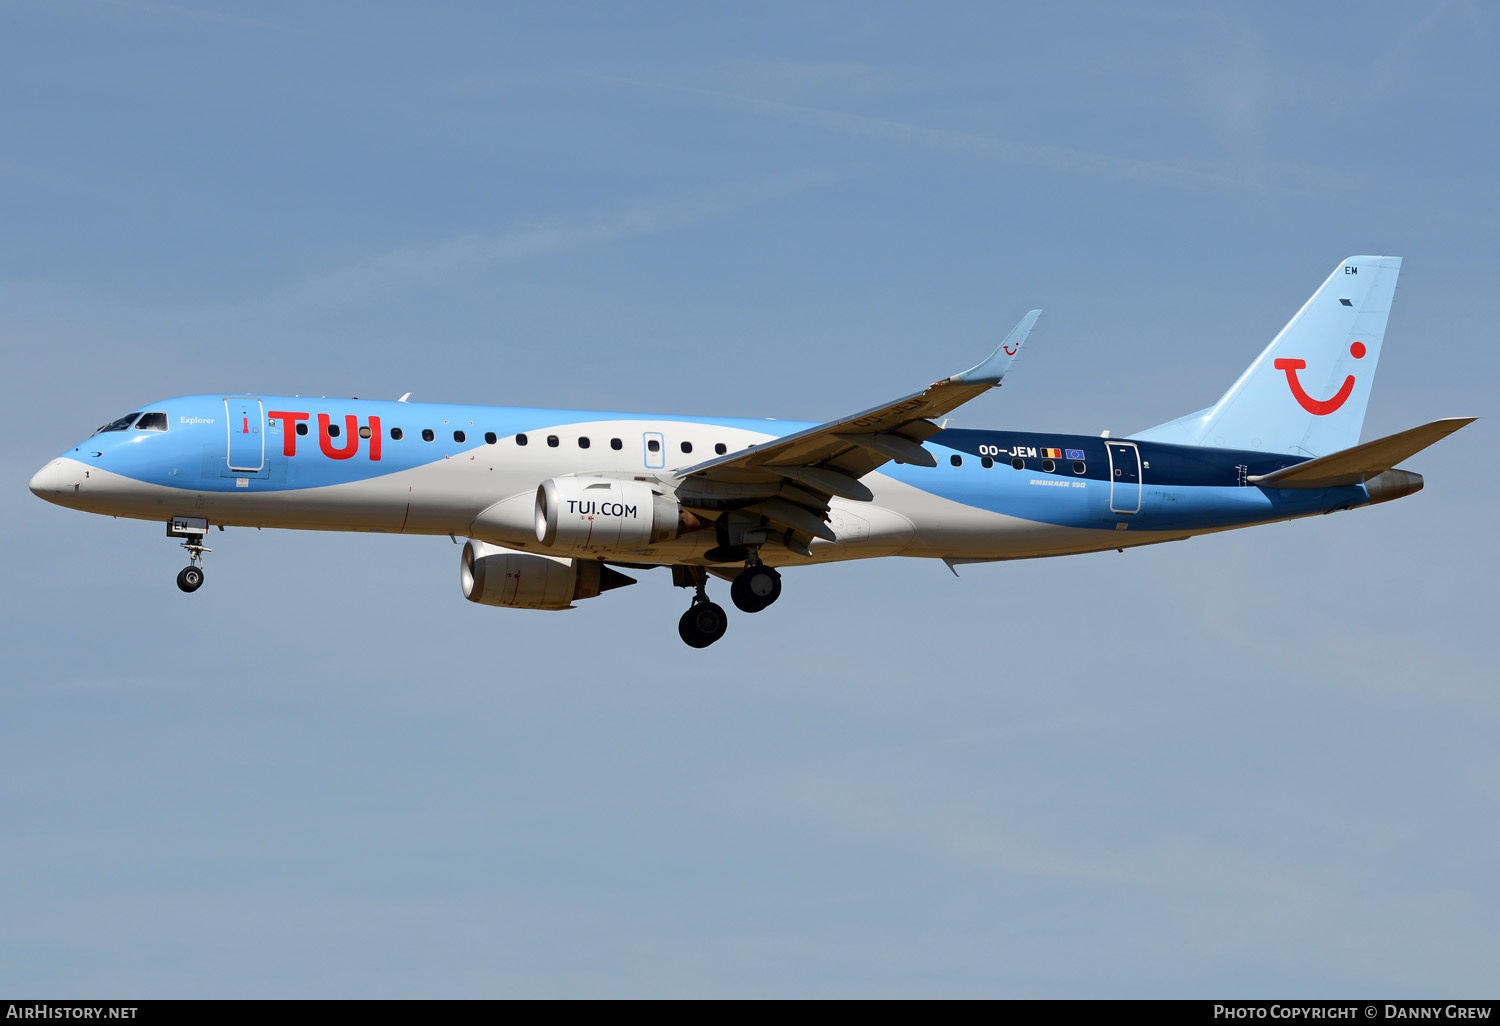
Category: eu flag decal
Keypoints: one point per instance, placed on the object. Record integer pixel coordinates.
(1075, 454)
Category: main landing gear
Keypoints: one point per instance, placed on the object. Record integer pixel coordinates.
(755, 588)
(703, 624)
(192, 530)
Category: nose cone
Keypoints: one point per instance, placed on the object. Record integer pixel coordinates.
(56, 479)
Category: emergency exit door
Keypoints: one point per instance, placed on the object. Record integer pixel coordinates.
(656, 450)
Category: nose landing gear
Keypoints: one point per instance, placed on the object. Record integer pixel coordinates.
(192, 530)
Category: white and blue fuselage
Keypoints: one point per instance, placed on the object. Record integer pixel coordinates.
(555, 503)
(423, 468)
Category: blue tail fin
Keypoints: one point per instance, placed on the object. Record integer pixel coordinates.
(1306, 394)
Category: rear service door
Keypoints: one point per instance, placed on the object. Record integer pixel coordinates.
(247, 436)
(1124, 477)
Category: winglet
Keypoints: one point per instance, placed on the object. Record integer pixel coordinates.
(992, 370)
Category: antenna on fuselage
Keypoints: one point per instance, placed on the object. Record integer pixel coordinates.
(404, 398)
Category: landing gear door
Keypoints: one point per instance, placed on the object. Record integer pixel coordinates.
(1124, 477)
(247, 435)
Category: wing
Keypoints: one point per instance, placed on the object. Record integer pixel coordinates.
(789, 481)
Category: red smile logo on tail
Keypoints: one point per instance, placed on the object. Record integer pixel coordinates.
(1319, 407)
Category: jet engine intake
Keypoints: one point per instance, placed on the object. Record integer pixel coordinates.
(495, 576)
(600, 513)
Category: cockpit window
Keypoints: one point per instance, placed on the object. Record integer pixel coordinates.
(152, 422)
(119, 425)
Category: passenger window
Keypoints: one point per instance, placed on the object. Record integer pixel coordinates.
(615, 443)
(427, 435)
(152, 422)
(395, 433)
(520, 439)
(301, 427)
(458, 436)
(687, 446)
(986, 462)
(1049, 465)
(490, 438)
(1078, 467)
(333, 430)
(552, 441)
(364, 432)
(653, 446)
(956, 460)
(583, 443)
(1018, 463)
(720, 448)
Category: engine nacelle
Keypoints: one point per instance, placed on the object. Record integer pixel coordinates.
(600, 513)
(497, 576)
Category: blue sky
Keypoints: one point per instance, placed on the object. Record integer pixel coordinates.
(1256, 764)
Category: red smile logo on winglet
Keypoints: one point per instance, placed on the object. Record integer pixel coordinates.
(1319, 407)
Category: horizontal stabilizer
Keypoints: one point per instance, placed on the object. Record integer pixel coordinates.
(1359, 464)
